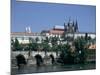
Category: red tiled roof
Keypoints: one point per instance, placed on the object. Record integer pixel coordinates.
(92, 46)
(58, 29)
(59, 32)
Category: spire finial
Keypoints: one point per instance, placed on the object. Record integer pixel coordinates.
(69, 19)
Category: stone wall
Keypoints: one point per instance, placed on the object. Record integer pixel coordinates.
(33, 53)
(31, 59)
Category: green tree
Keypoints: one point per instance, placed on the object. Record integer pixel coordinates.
(81, 49)
(36, 45)
(31, 40)
(45, 45)
(47, 40)
(33, 46)
(36, 39)
(54, 42)
(17, 46)
(66, 56)
(12, 42)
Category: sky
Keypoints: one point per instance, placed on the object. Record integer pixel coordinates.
(44, 16)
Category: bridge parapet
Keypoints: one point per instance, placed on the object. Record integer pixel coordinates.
(33, 53)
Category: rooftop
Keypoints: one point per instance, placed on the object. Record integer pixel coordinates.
(58, 27)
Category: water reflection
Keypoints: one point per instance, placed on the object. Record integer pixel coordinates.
(55, 68)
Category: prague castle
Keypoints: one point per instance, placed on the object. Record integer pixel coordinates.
(68, 30)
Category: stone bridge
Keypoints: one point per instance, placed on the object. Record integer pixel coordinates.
(33, 53)
(31, 59)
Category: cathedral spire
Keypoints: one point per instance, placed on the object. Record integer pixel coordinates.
(65, 27)
(69, 21)
(76, 26)
(73, 24)
(64, 24)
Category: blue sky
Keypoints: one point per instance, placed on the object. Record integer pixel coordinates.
(43, 16)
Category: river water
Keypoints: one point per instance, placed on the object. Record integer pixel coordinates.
(52, 68)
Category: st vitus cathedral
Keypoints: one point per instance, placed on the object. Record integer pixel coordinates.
(70, 29)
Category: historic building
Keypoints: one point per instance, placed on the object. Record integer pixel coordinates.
(69, 30)
(27, 36)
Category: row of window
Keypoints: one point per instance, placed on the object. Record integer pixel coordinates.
(23, 38)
